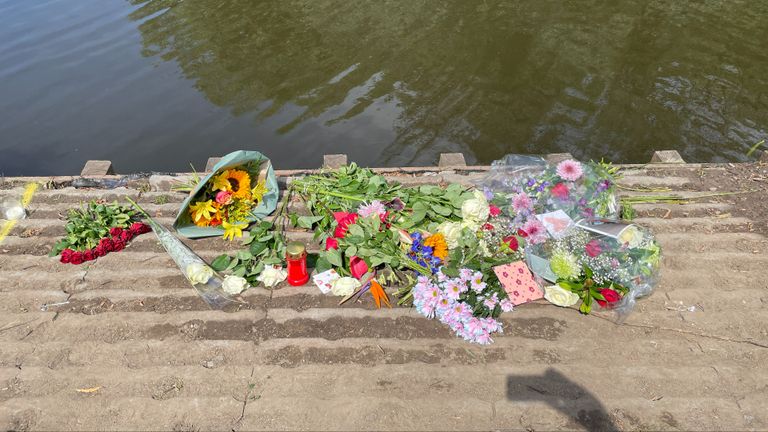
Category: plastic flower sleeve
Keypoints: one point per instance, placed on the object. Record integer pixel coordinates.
(610, 264)
(207, 282)
(532, 186)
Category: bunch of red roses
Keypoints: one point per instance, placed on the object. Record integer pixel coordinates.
(117, 240)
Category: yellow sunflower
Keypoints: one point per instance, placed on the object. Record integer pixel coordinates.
(236, 181)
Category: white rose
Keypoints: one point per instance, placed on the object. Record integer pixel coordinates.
(234, 285)
(560, 296)
(451, 231)
(199, 273)
(344, 286)
(272, 275)
(476, 210)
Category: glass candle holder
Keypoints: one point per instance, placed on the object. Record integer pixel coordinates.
(12, 210)
(296, 263)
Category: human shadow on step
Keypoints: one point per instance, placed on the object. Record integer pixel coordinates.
(562, 394)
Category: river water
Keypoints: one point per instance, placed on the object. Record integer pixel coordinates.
(159, 84)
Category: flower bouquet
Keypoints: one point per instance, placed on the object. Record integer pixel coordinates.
(580, 190)
(600, 261)
(95, 230)
(211, 286)
(241, 189)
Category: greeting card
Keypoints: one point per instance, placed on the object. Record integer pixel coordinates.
(556, 222)
(518, 282)
(325, 279)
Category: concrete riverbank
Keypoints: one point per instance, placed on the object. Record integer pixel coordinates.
(127, 344)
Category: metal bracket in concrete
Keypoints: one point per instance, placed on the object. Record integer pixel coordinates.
(555, 158)
(667, 157)
(451, 160)
(212, 161)
(94, 168)
(334, 161)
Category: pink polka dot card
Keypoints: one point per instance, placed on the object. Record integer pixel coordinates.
(518, 282)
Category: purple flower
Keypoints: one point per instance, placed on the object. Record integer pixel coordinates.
(603, 185)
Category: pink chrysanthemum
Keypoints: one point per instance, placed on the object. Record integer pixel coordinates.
(507, 305)
(569, 170)
(535, 230)
(521, 202)
(375, 207)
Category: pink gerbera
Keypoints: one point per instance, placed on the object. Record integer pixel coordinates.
(521, 202)
(569, 170)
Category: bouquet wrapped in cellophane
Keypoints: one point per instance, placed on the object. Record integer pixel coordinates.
(598, 262)
(240, 189)
(214, 289)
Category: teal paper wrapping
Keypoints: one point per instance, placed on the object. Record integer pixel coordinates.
(183, 223)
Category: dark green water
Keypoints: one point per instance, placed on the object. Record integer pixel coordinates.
(159, 84)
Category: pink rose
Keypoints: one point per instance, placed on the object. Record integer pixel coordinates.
(593, 248)
(224, 197)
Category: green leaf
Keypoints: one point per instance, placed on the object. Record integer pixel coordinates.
(243, 255)
(240, 271)
(356, 230)
(220, 263)
(442, 210)
(351, 251)
(258, 248)
(334, 257)
(232, 264)
(308, 221)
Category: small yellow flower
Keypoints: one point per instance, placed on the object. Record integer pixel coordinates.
(233, 230)
(202, 210)
(258, 191)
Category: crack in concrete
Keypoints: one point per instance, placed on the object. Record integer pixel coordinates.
(688, 332)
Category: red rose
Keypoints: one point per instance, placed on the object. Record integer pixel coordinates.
(99, 251)
(343, 221)
(593, 248)
(118, 245)
(136, 228)
(76, 258)
(357, 267)
(89, 255)
(107, 244)
(126, 236)
(331, 243)
(488, 227)
(610, 296)
(521, 232)
(495, 211)
(66, 255)
(560, 191)
(115, 232)
(512, 242)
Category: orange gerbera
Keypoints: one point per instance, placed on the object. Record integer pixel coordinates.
(438, 244)
(236, 181)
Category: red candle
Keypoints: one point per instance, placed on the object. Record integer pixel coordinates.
(296, 259)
